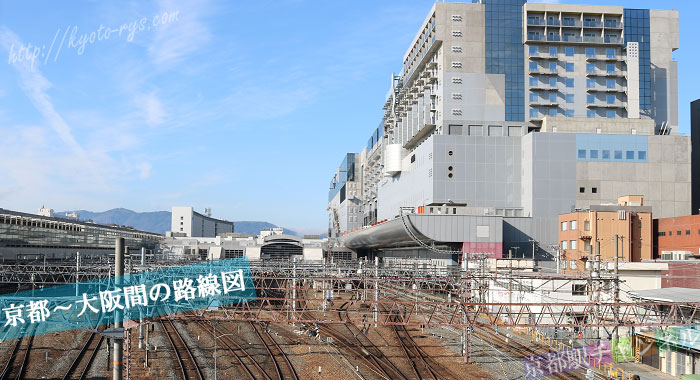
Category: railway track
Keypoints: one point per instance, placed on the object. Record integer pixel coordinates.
(80, 366)
(285, 371)
(188, 365)
(424, 366)
(250, 366)
(16, 365)
(518, 349)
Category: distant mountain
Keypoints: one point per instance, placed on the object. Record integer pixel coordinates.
(159, 221)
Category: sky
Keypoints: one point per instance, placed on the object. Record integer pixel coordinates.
(244, 107)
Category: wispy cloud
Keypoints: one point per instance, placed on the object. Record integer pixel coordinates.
(153, 109)
(176, 40)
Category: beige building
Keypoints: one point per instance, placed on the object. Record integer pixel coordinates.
(579, 231)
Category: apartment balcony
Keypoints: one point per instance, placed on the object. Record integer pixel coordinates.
(553, 23)
(571, 23)
(536, 22)
(613, 24)
(601, 73)
(543, 57)
(543, 86)
(606, 89)
(600, 57)
(607, 105)
(592, 24)
(543, 102)
(544, 72)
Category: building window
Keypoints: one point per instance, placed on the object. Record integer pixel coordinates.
(553, 67)
(678, 233)
(590, 68)
(606, 154)
(687, 232)
(581, 189)
(590, 83)
(610, 114)
(572, 244)
(564, 226)
(552, 112)
(553, 51)
(533, 66)
(586, 225)
(590, 52)
(618, 155)
(594, 190)
(534, 51)
(552, 82)
(534, 113)
(610, 99)
(581, 153)
(534, 81)
(564, 244)
(590, 98)
(610, 68)
(642, 155)
(594, 153)
(569, 98)
(573, 224)
(553, 97)
(569, 113)
(569, 67)
(569, 51)
(572, 264)
(534, 97)
(610, 53)
(569, 82)
(563, 264)
(578, 289)
(610, 83)
(629, 155)
(590, 113)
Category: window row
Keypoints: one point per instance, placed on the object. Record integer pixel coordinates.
(568, 244)
(568, 225)
(569, 51)
(553, 67)
(552, 82)
(617, 154)
(670, 233)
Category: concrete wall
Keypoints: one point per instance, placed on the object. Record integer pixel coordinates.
(663, 32)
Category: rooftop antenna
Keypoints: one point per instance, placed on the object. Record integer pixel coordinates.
(208, 211)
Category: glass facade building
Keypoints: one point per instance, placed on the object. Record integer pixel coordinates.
(636, 24)
(505, 51)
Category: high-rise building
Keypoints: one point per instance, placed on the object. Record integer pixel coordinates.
(517, 113)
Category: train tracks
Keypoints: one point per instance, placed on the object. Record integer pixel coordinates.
(189, 367)
(17, 363)
(80, 366)
(517, 349)
(285, 371)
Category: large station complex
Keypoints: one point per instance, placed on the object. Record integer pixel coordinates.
(507, 114)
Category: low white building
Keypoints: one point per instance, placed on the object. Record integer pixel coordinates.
(187, 222)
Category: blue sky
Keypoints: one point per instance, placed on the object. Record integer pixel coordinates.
(244, 107)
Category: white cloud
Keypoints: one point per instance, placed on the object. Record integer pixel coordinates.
(181, 37)
(153, 109)
(145, 170)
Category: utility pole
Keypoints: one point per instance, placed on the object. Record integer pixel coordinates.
(118, 278)
(617, 288)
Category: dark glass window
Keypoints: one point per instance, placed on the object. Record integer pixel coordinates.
(630, 155)
(637, 30)
(618, 154)
(594, 190)
(569, 82)
(569, 67)
(594, 153)
(606, 154)
(583, 190)
(569, 51)
(642, 155)
(581, 153)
